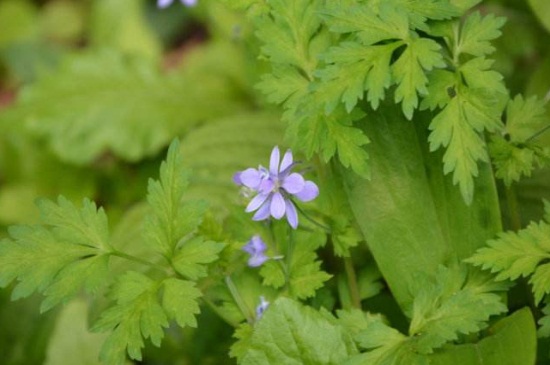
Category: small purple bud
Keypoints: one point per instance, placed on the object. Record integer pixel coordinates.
(256, 248)
(261, 308)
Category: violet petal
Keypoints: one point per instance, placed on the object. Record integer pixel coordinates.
(164, 3)
(274, 161)
(256, 202)
(291, 214)
(287, 161)
(293, 183)
(263, 212)
(277, 206)
(309, 192)
(250, 178)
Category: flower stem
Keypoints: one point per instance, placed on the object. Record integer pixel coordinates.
(352, 283)
(320, 225)
(537, 134)
(512, 200)
(239, 300)
(137, 259)
(289, 253)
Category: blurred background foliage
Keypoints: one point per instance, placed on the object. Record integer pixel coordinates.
(93, 91)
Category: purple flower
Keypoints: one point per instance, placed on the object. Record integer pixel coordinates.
(260, 309)
(256, 248)
(275, 187)
(166, 3)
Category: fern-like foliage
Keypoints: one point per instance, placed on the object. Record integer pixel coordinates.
(71, 249)
(521, 254)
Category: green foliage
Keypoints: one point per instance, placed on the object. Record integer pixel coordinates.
(519, 254)
(452, 305)
(290, 333)
(516, 152)
(544, 322)
(69, 250)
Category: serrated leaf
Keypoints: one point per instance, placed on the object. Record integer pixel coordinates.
(171, 220)
(192, 256)
(67, 252)
(290, 333)
(419, 11)
(243, 334)
(544, 322)
(370, 27)
(477, 74)
(451, 306)
(515, 254)
(524, 117)
(273, 274)
(179, 301)
(139, 313)
(458, 128)
(477, 32)
(441, 89)
(511, 162)
(420, 55)
(541, 281)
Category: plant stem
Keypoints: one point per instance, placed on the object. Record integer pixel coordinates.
(220, 314)
(289, 253)
(512, 200)
(352, 283)
(537, 134)
(239, 300)
(320, 225)
(138, 260)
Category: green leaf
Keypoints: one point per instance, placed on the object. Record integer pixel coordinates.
(68, 251)
(408, 71)
(450, 306)
(191, 258)
(290, 333)
(419, 11)
(477, 74)
(179, 301)
(139, 313)
(121, 25)
(477, 32)
(516, 254)
(544, 322)
(512, 162)
(71, 342)
(458, 128)
(541, 9)
(171, 220)
(370, 27)
(525, 117)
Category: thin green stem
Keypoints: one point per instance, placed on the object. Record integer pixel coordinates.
(216, 310)
(537, 134)
(320, 225)
(352, 283)
(512, 200)
(138, 260)
(239, 300)
(289, 254)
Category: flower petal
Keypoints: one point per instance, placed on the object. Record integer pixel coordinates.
(164, 3)
(257, 260)
(250, 178)
(189, 2)
(287, 161)
(263, 212)
(277, 206)
(274, 161)
(266, 186)
(309, 192)
(237, 178)
(293, 183)
(256, 202)
(291, 214)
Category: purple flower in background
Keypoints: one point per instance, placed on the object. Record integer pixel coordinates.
(166, 3)
(256, 248)
(260, 309)
(275, 187)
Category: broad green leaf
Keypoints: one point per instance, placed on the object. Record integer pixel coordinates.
(512, 341)
(477, 32)
(541, 9)
(121, 25)
(71, 342)
(411, 216)
(289, 333)
(67, 252)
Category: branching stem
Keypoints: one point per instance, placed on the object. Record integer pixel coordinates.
(320, 225)
(137, 259)
(245, 310)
